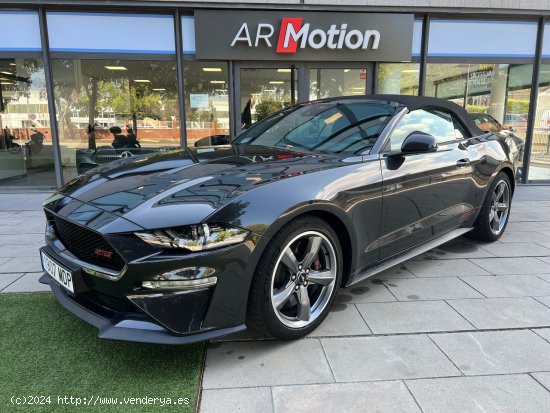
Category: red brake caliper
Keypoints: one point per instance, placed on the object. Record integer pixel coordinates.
(316, 264)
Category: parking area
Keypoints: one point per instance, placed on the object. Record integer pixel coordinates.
(465, 327)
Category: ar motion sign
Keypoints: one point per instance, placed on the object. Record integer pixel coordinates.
(294, 34)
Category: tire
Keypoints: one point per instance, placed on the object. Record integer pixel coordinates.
(494, 214)
(277, 301)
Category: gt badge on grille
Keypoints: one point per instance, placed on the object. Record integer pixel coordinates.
(103, 253)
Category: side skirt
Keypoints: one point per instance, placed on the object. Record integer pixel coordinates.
(407, 255)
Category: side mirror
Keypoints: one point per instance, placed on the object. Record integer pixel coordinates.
(418, 143)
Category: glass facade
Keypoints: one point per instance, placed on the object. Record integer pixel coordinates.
(264, 91)
(539, 164)
(496, 94)
(398, 78)
(501, 90)
(117, 92)
(489, 73)
(109, 106)
(328, 83)
(539, 168)
(206, 102)
(26, 150)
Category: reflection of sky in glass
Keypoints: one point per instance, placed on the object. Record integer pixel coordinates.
(84, 214)
(37, 81)
(437, 124)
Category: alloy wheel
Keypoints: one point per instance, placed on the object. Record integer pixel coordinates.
(500, 207)
(303, 279)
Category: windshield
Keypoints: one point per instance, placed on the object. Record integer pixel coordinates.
(326, 127)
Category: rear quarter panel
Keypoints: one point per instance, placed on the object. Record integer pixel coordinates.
(490, 154)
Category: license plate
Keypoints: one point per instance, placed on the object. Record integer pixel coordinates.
(63, 276)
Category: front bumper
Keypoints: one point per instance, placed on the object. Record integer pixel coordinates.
(128, 329)
(121, 311)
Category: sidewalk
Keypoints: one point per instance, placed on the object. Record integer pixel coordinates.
(21, 234)
(463, 328)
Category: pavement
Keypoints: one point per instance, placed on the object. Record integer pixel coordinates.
(462, 328)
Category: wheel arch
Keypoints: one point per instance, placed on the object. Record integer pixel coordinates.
(333, 216)
(507, 169)
(343, 237)
(510, 173)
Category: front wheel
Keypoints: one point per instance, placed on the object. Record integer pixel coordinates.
(296, 280)
(495, 211)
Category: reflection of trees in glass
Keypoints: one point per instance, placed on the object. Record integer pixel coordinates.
(267, 107)
(496, 89)
(112, 96)
(520, 106)
(196, 81)
(81, 92)
(66, 96)
(115, 96)
(25, 82)
(270, 100)
(268, 90)
(477, 108)
(398, 78)
(327, 82)
(517, 105)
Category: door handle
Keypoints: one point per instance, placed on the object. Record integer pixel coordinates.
(463, 162)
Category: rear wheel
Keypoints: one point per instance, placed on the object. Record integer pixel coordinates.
(495, 211)
(296, 280)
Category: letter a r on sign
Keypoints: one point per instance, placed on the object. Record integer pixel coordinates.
(290, 27)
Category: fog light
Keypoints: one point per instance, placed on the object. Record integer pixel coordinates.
(189, 273)
(198, 284)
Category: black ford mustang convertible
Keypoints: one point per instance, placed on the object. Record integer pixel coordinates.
(192, 244)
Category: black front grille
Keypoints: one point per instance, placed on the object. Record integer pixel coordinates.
(87, 245)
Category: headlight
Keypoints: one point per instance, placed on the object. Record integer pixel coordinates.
(195, 237)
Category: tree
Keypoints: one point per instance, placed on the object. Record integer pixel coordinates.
(517, 106)
(81, 88)
(267, 107)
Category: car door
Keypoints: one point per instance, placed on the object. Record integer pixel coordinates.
(423, 194)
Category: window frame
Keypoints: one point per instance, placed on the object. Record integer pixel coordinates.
(460, 126)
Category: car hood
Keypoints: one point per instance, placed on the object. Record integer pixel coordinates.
(183, 187)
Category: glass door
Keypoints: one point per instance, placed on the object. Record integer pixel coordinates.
(262, 90)
(345, 80)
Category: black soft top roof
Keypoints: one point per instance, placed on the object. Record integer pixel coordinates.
(422, 102)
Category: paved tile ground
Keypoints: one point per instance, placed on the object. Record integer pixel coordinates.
(21, 234)
(462, 328)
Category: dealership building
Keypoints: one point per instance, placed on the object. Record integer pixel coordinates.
(180, 73)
